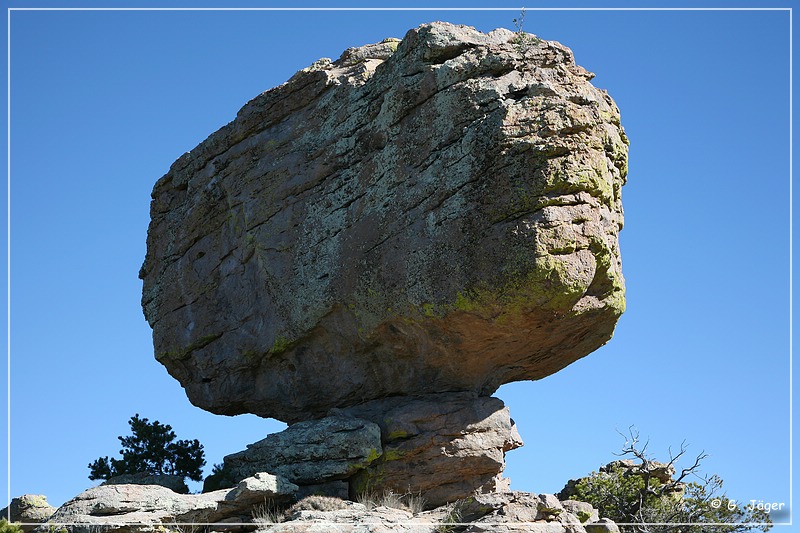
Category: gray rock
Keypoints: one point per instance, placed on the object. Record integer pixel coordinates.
(604, 525)
(524, 512)
(584, 511)
(443, 217)
(28, 509)
(442, 446)
(145, 508)
(174, 483)
(261, 485)
(310, 452)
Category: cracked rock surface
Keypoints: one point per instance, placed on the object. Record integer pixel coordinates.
(434, 214)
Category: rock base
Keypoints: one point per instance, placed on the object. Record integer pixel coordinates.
(440, 447)
(149, 509)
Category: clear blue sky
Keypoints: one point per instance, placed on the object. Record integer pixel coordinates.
(103, 102)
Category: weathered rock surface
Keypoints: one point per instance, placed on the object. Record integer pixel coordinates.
(436, 214)
(311, 452)
(28, 509)
(152, 508)
(141, 508)
(506, 512)
(174, 483)
(443, 447)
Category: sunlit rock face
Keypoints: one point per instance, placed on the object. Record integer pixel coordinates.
(434, 214)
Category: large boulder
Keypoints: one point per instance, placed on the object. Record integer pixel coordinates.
(436, 214)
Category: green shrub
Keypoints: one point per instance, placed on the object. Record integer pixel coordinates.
(6, 527)
(151, 449)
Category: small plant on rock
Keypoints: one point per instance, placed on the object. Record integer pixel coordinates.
(318, 503)
(268, 513)
(452, 517)
(522, 39)
(413, 503)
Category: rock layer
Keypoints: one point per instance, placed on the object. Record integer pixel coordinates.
(443, 447)
(310, 453)
(435, 214)
(144, 508)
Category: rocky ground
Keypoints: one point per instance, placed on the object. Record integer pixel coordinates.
(264, 503)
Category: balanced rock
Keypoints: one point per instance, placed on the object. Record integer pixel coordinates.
(435, 214)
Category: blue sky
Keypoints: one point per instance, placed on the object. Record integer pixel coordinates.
(103, 102)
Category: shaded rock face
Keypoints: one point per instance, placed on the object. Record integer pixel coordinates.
(312, 452)
(435, 214)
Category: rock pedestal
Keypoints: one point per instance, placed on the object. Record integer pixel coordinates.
(441, 447)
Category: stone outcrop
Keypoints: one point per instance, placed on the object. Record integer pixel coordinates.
(501, 512)
(261, 503)
(434, 214)
(310, 453)
(28, 509)
(142, 508)
(524, 512)
(442, 447)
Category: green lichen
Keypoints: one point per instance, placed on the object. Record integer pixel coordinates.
(280, 345)
(396, 434)
(546, 284)
(393, 455)
(583, 516)
(372, 455)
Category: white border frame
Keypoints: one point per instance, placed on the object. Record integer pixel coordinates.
(515, 9)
